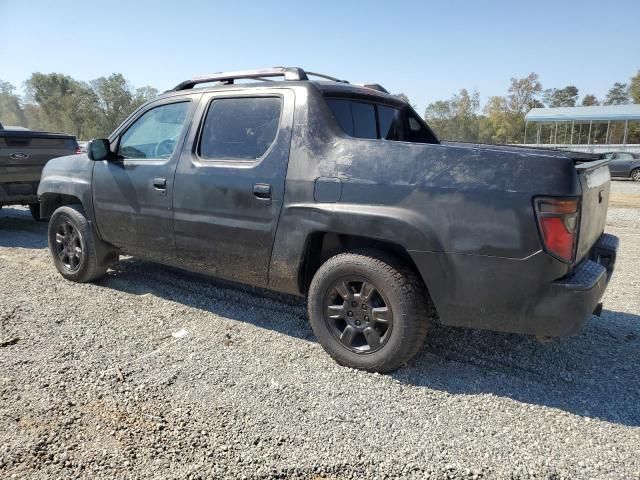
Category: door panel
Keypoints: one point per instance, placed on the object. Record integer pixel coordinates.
(226, 209)
(622, 164)
(132, 197)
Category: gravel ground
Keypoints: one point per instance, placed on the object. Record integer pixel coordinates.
(154, 373)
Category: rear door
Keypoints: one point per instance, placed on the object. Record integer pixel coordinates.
(621, 164)
(132, 196)
(616, 165)
(229, 185)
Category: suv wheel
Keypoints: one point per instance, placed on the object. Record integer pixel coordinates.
(72, 243)
(635, 175)
(368, 311)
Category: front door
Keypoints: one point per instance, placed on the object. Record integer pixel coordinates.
(229, 185)
(132, 195)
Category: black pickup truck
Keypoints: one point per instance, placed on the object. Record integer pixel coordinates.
(340, 193)
(23, 153)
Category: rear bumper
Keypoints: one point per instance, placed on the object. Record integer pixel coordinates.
(570, 301)
(22, 193)
(529, 296)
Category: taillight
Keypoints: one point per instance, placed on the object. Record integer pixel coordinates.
(558, 222)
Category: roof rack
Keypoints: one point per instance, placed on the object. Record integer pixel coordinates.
(228, 78)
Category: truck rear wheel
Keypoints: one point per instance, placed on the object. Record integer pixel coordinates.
(368, 311)
(72, 243)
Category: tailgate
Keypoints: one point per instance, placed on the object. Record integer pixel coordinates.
(22, 156)
(595, 180)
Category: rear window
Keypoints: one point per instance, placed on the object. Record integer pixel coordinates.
(372, 120)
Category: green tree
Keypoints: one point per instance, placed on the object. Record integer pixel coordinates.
(561, 97)
(11, 112)
(634, 88)
(51, 93)
(618, 94)
(524, 94)
(115, 101)
(590, 100)
(456, 118)
(495, 128)
(143, 95)
(438, 115)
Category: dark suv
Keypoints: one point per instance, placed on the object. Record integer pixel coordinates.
(343, 194)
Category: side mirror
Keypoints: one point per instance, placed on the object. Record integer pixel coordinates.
(99, 149)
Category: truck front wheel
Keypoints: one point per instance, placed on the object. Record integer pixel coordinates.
(72, 243)
(368, 311)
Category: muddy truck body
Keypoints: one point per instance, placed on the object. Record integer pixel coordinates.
(342, 194)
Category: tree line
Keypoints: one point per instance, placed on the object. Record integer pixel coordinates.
(460, 118)
(57, 102)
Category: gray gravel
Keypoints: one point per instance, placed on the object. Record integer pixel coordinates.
(154, 373)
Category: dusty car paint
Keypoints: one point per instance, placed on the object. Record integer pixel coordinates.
(461, 212)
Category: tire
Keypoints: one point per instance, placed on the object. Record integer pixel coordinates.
(69, 230)
(34, 208)
(635, 175)
(396, 300)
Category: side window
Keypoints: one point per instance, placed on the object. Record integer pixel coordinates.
(391, 122)
(418, 132)
(357, 119)
(373, 120)
(239, 128)
(155, 134)
(342, 111)
(624, 156)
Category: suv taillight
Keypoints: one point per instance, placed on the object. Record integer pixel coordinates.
(558, 220)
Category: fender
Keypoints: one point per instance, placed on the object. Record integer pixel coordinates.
(71, 176)
(298, 221)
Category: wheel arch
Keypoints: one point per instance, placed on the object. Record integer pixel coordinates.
(322, 245)
(50, 201)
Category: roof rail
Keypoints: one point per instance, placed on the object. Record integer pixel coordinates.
(327, 77)
(289, 73)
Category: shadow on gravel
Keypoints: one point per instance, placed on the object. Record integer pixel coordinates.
(594, 374)
(19, 230)
(282, 313)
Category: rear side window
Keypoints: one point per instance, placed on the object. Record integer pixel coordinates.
(391, 123)
(239, 128)
(364, 120)
(357, 119)
(371, 120)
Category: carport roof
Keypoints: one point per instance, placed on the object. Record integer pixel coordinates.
(596, 113)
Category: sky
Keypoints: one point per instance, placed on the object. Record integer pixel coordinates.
(425, 49)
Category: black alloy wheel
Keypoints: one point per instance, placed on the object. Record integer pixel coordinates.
(68, 246)
(358, 315)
